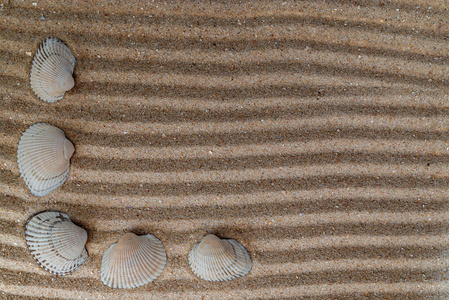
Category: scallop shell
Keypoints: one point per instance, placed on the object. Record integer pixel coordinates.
(43, 156)
(216, 259)
(52, 70)
(56, 243)
(133, 261)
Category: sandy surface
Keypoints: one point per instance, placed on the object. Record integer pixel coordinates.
(315, 133)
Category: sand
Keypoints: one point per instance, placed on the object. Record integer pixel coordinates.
(315, 133)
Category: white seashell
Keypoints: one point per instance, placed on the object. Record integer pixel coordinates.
(44, 156)
(133, 261)
(52, 70)
(216, 259)
(56, 243)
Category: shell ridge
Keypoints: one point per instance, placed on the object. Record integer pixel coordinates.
(138, 261)
(41, 159)
(146, 270)
(41, 244)
(222, 261)
(53, 60)
(105, 266)
(137, 273)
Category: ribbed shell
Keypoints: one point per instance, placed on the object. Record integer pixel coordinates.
(52, 70)
(133, 261)
(216, 259)
(56, 243)
(43, 156)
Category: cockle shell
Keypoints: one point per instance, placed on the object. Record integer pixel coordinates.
(133, 261)
(216, 259)
(56, 243)
(52, 70)
(43, 156)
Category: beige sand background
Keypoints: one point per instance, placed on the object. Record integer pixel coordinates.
(315, 133)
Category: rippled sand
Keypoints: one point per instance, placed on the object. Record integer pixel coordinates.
(315, 133)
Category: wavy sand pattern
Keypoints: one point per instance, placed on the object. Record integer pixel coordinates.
(315, 133)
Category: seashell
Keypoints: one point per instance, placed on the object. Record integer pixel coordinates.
(216, 259)
(52, 70)
(43, 156)
(133, 261)
(56, 243)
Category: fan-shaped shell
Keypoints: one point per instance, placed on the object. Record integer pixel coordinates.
(133, 261)
(216, 259)
(52, 70)
(56, 243)
(43, 156)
